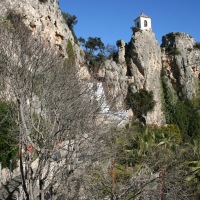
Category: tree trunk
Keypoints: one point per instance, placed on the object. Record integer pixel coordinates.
(22, 174)
(41, 196)
(113, 179)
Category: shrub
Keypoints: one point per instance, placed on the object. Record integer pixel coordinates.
(135, 29)
(70, 51)
(172, 35)
(197, 45)
(180, 111)
(8, 145)
(140, 102)
(172, 51)
(169, 35)
(177, 52)
(177, 33)
(122, 173)
(171, 132)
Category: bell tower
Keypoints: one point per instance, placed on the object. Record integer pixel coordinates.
(143, 22)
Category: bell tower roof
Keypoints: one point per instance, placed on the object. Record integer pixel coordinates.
(143, 15)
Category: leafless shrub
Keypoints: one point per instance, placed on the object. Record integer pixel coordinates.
(59, 117)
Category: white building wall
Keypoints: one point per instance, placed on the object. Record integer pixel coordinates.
(148, 23)
(141, 20)
(136, 22)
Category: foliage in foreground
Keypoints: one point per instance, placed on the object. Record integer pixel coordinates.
(8, 141)
(56, 112)
(148, 162)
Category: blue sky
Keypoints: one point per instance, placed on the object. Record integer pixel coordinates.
(111, 19)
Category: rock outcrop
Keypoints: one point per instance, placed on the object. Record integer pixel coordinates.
(115, 84)
(145, 65)
(139, 63)
(142, 62)
(181, 61)
(46, 18)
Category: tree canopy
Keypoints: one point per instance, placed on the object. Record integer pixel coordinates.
(140, 102)
(70, 20)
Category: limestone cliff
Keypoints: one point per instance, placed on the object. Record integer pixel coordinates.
(181, 62)
(145, 66)
(45, 17)
(140, 62)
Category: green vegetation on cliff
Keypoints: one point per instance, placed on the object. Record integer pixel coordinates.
(8, 140)
(180, 111)
(140, 102)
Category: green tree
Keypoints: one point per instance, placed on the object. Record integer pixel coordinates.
(70, 20)
(94, 44)
(140, 102)
(82, 41)
(94, 52)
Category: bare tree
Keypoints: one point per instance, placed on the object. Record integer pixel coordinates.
(57, 114)
(141, 165)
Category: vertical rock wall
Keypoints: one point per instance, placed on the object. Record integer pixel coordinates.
(181, 61)
(46, 18)
(142, 62)
(139, 63)
(145, 65)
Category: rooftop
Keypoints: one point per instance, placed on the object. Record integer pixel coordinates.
(142, 15)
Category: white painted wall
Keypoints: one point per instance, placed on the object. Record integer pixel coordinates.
(136, 23)
(141, 23)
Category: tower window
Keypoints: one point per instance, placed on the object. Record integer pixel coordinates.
(145, 23)
(138, 24)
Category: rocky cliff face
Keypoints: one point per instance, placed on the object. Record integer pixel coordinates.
(45, 17)
(181, 62)
(142, 63)
(139, 63)
(145, 66)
